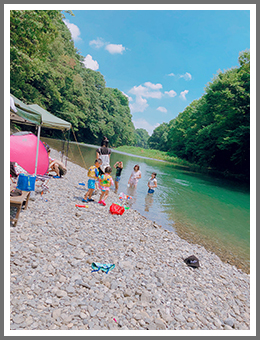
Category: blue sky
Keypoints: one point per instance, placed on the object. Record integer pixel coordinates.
(161, 59)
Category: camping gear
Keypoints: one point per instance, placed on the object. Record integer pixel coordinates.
(104, 267)
(17, 202)
(116, 209)
(26, 182)
(23, 147)
(192, 261)
(36, 115)
(15, 192)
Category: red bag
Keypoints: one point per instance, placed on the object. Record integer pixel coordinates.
(116, 209)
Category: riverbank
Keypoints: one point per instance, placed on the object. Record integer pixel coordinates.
(153, 154)
(178, 162)
(52, 286)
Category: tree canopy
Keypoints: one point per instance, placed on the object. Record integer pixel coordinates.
(46, 69)
(214, 131)
(142, 137)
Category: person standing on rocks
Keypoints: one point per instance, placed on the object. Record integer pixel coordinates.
(104, 154)
(105, 182)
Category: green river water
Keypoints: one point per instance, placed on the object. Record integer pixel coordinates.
(211, 212)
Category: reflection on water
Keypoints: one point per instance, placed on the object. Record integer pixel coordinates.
(148, 202)
(201, 209)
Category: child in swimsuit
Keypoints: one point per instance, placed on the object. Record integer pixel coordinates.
(105, 183)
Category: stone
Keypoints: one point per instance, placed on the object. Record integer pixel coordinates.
(18, 319)
(160, 324)
(61, 293)
(56, 313)
(229, 321)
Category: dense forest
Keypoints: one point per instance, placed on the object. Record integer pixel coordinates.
(214, 131)
(46, 69)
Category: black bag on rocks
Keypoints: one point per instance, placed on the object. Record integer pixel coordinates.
(192, 261)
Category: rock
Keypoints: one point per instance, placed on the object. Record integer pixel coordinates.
(56, 313)
(127, 292)
(145, 297)
(61, 293)
(230, 322)
(228, 328)
(160, 324)
(126, 265)
(18, 319)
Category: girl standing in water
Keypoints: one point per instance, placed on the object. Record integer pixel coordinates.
(135, 176)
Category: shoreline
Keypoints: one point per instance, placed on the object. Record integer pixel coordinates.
(151, 287)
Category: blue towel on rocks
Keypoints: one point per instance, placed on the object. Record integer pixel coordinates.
(104, 267)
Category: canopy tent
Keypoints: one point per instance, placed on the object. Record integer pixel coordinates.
(23, 113)
(49, 120)
(36, 115)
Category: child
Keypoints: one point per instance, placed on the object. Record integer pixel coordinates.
(119, 167)
(152, 183)
(92, 176)
(105, 183)
(135, 175)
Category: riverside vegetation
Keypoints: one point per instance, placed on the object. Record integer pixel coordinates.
(150, 288)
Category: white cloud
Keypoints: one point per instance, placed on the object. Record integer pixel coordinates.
(149, 90)
(139, 106)
(98, 43)
(171, 93)
(143, 124)
(153, 86)
(183, 94)
(90, 63)
(162, 109)
(74, 30)
(186, 76)
(145, 91)
(113, 48)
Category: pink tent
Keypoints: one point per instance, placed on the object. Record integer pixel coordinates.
(23, 146)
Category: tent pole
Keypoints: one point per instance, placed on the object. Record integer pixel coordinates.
(67, 148)
(37, 150)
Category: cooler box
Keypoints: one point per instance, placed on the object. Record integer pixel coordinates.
(26, 182)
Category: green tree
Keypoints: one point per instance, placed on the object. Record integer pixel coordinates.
(159, 138)
(214, 131)
(142, 137)
(48, 70)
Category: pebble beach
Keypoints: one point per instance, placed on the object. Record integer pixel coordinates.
(52, 286)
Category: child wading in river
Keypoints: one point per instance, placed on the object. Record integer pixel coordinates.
(152, 183)
(135, 176)
(119, 168)
(92, 177)
(105, 183)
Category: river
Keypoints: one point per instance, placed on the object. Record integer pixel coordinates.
(208, 211)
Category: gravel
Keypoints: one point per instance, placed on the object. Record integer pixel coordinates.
(151, 288)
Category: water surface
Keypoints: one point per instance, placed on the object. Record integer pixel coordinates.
(204, 210)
